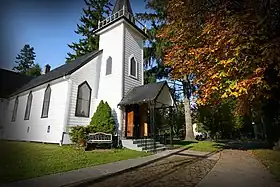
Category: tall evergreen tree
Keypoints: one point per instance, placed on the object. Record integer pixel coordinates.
(25, 62)
(25, 59)
(96, 10)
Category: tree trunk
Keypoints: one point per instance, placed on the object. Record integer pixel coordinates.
(188, 120)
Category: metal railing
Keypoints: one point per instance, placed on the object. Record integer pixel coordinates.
(120, 13)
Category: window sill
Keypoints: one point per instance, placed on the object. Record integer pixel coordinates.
(133, 77)
(79, 116)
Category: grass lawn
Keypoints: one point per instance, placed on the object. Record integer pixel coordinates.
(271, 159)
(22, 160)
(204, 146)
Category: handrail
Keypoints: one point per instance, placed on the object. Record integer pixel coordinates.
(121, 12)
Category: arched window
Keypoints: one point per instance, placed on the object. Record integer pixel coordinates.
(132, 67)
(83, 100)
(46, 102)
(109, 66)
(28, 106)
(15, 109)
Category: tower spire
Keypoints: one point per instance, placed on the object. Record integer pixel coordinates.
(120, 4)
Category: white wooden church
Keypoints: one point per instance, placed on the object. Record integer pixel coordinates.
(42, 109)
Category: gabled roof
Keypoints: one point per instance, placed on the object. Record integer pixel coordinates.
(10, 81)
(119, 5)
(143, 94)
(61, 71)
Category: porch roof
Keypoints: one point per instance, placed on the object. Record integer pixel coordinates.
(143, 94)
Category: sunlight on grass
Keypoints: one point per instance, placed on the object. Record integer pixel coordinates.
(22, 160)
(271, 159)
(204, 146)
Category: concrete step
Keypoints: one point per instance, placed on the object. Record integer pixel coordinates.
(149, 144)
(146, 145)
(137, 141)
(159, 149)
(151, 147)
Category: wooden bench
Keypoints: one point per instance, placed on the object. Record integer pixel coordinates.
(99, 138)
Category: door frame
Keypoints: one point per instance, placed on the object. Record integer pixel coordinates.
(138, 127)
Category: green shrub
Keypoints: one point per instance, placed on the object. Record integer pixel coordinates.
(78, 134)
(102, 120)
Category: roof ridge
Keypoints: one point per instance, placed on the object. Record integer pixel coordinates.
(150, 84)
(18, 73)
(65, 69)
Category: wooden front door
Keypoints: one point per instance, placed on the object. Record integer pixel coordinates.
(130, 123)
(143, 120)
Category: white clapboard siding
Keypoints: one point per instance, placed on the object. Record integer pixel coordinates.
(90, 72)
(38, 126)
(133, 47)
(111, 86)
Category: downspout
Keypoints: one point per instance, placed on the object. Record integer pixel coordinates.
(67, 108)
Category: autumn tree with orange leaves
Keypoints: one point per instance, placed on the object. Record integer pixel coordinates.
(228, 45)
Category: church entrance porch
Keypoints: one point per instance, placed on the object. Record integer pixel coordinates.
(139, 110)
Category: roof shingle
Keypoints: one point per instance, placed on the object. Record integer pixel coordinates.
(10, 81)
(143, 94)
(61, 71)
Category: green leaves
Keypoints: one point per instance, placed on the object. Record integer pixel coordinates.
(226, 52)
(78, 133)
(103, 120)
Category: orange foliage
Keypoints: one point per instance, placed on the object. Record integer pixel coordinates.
(227, 51)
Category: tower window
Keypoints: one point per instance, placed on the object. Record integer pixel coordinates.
(133, 67)
(28, 128)
(83, 100)
(109, 66)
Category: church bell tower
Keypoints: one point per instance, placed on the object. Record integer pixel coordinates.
(121, 37)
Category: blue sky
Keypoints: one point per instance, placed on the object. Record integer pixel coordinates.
(47, 25)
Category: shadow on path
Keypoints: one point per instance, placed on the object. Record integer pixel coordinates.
(180, 166)
(243, 145)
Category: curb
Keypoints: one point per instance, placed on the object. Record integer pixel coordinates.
(216, 161)
(92, 180)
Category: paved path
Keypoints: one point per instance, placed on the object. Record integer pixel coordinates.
(184, 169)
(81, 175)
(180, 168)
(238, 169)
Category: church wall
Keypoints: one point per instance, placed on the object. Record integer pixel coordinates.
(133, 47)
(18, 130)
(165, 98)
(111, 86)
(90, 72)
(3, 107)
